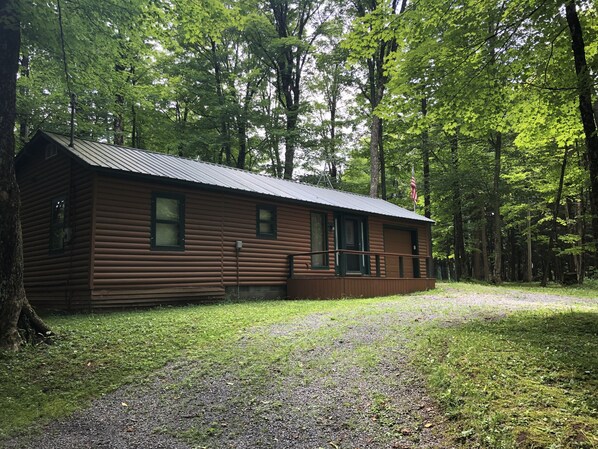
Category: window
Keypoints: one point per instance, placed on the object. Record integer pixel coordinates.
(168, 221)
(319, 240)
(57, 224)
(266, 222)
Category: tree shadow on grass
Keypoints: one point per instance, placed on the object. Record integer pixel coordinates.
(567, 340)
(551, 360)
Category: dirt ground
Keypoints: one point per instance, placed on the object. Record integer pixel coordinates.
(340, 381)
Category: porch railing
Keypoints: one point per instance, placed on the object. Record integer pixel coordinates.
(340, 259)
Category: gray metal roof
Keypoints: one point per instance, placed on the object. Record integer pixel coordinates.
(135, 161)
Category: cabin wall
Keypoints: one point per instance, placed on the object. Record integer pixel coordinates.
(55, 279)
(377, 225)
(109, 261)
(388, 282)
(126, 271)
(265, 261)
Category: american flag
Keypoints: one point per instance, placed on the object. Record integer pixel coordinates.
(413, 187)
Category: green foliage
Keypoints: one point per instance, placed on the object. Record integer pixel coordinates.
(218, 80)
(486, 68)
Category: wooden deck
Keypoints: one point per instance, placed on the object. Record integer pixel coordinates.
(354, 286)
(382, 274)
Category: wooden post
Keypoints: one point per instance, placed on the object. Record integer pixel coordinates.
(416, 270)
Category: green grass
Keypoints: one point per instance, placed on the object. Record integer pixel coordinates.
(527, 381)
(96, 354)
(589, 289)
(474, 369)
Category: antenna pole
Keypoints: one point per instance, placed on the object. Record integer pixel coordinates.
(73, 98)
(73, 107)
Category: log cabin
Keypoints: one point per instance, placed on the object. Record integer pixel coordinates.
(106, 226)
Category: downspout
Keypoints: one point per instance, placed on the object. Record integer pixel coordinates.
(238, 246)
(222, 246)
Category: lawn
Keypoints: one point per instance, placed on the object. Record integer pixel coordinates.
(529, 380)
(518, 379)
(95, 354)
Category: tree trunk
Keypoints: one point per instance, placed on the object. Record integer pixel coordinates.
(571, 210)
(277, 168)
(529, 276)
(119, 131)
(17, 318)
(497, 272)
(426, 162)
(242, 136)
(376, 80)
(580, 226)
(331, 152)
(476, 258)
(459, 239)
(224, 123)
(513, 263)
(134, 128)
(272, 140)
(289, 142)
(485, 262)
(23, 118)
(242, 126)
(288, 64)
(118, 122)
(374, 156)
(382, 161)
(588, 119)
(553, 232)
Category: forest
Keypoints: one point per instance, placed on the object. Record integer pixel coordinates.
(491, 104)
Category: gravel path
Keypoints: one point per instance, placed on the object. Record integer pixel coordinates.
(327, 381)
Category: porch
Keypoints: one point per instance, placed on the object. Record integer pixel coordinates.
(357, 274)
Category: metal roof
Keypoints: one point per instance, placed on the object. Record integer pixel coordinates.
(135, 161)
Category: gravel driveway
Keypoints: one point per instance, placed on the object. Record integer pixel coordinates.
(328, 381)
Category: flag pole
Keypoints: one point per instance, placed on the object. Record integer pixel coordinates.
(413, 189)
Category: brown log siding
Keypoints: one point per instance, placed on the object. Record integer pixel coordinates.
(376, 228)
(55, 280)
(124, 261)
(354, 287)
(110, 263)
